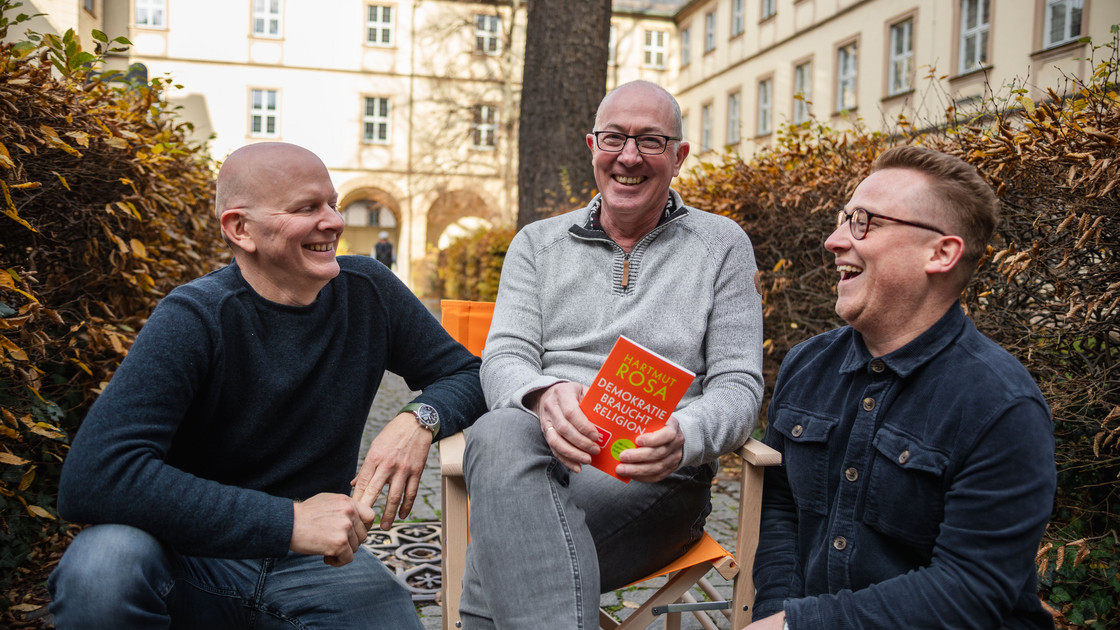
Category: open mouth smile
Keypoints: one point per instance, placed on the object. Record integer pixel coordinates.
(847, 272)
(628, 181)
(324, 247)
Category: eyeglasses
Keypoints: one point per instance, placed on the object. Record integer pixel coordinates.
(647, 143)
(859, 221)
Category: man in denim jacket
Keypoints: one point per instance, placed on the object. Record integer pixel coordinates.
(918, 456)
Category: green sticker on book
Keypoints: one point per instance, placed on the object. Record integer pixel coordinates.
(619, 446)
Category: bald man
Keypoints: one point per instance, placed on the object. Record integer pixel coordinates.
(218, 465)
(637, 262)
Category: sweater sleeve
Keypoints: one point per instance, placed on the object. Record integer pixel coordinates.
(512, 359)
(724, 415)
(118, 469)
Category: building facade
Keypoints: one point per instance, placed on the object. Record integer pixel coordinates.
(748, 66)
(413, 105)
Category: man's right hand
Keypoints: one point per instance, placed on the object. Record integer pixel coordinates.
(571, 436)
(332, 526)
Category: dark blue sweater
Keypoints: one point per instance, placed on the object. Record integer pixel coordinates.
(229, 406)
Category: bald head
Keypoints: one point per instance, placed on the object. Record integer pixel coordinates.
(251, 172)
(643, 90)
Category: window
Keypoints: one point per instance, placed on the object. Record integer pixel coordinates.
(765, 106)
(87, 5)
(484, 127)
(376, 120)
(686, 46)
(974, 34)
(1063, 22)
(151, 13)
(710, 32)
(266, 18)
(612, 47)
(733, 118)
(736, 17)
(486, 30)
(706, 128)
(900, 58)
(379, 25)
(264, 114)
(684, 126)
(846, 69)
(802, 92)
(654, 49)
(769, 8)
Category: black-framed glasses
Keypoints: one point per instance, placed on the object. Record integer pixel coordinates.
(647, 143)
(859, 221)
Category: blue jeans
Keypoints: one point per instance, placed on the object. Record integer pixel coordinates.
(116, 576)
(546, 542)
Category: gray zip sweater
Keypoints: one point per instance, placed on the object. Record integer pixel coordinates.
(686, 291)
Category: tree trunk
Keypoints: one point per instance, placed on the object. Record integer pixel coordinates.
(565, 77)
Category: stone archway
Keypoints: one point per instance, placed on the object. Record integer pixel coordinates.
(453, 214)
(368, 212)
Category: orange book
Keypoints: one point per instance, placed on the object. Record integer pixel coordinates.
(634, 392)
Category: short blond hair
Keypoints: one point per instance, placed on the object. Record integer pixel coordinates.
(958, 189)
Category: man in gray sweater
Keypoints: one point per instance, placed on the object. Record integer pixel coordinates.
(636, 261)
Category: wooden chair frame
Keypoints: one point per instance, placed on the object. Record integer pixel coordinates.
(674, 596)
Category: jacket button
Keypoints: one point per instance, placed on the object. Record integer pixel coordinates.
(797, 431)
(839, 543)
(904, 457)
(878, 366)
(851, 474)
(868, 404)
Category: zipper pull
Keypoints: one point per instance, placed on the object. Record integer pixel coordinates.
(626, 272)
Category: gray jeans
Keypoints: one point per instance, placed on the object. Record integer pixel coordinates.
(546, 542)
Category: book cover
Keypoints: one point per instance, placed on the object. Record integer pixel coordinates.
(635, 392)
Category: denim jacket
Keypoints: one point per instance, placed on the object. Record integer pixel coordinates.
(914, 487)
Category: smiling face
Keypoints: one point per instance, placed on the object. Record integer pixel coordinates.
(279, 212)
(635, 186)
(884, 290)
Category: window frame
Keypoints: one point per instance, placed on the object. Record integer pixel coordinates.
(376, 119)
(734, 117)
(709, 32)
(1047, 22)
(894, 58)
(767, 9)
(652, 49)
(149, 5)
(686, 45)
(764, 121)
(982, 33)
(264, 113)
(802, 110)
(487, 34)
(267, 17)
(843, 78)
(380, 26)
(738, 17)
(612, 46)
(482, 129)
(706, 127)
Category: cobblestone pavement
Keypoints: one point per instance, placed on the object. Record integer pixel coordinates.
(394, 394)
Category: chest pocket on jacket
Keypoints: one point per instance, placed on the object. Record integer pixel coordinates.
(906, 491)
(806, 456)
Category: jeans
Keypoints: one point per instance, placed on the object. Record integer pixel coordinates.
(116, 576)
(546, 542)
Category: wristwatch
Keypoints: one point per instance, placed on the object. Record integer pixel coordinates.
(425, 414)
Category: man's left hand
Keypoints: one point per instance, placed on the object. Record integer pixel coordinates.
(657, 455)
(396, 458)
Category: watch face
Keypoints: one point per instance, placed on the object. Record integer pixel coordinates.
(427, 416)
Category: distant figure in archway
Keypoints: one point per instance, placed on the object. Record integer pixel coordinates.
(383, 250)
